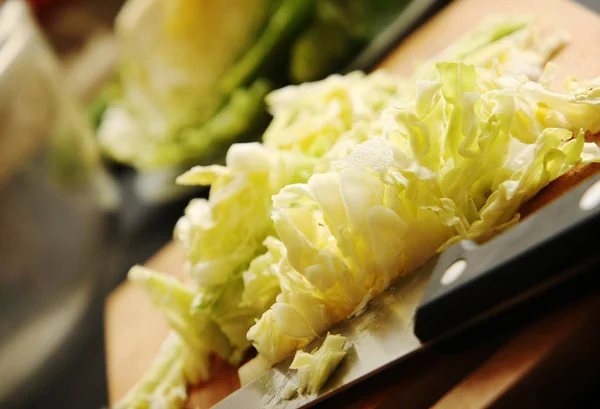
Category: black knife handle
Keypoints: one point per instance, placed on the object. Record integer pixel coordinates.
(470, 281)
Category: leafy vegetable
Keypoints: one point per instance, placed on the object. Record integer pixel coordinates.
(315, 368)
(362, 178)
(222, 234)
(172, 60)
(164, 384)
(167, 108)
(123, 138)
(261, 282)
(192, 73)
(312, 117)
(222, 305)
(299, 314)
(199, 332)
(455, 164)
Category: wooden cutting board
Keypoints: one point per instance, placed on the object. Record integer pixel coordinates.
(134, 330)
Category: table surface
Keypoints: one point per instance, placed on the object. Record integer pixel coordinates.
(135, 330)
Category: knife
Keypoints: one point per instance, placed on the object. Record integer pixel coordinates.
(452, 292)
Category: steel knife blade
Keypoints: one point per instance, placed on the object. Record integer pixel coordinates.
(463, 285)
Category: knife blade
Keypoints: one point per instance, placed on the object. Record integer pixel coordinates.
(451, 292)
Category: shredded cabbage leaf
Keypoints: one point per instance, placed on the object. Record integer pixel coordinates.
(223, 233)
(314, 369)
(200, 334)
(164, 384)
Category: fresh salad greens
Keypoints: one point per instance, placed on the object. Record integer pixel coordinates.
(359, 180)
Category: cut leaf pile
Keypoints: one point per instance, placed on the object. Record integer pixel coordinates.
(359, 180)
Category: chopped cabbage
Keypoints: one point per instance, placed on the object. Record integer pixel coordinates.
(261, 282)
(457, 163)
(359, 180)
(312, 117)
(200, 334)
(224, 233)
(315, 368)
(222, 305)
(164, 384)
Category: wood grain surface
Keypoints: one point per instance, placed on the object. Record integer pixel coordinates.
(134, 330)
